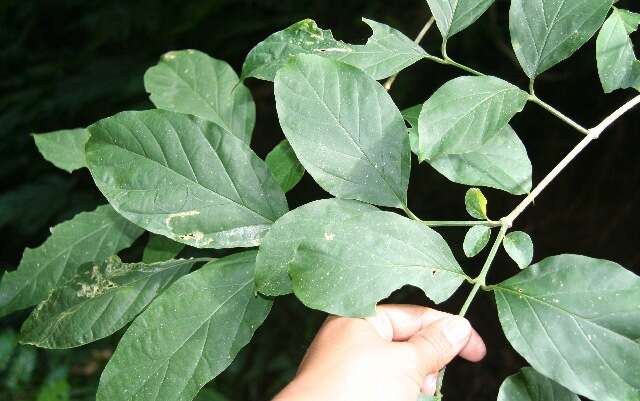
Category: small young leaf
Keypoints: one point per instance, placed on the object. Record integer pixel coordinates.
(160, 248)
(87, 237)
(529, 385)
(519, 246)
(325, 109)
(184, 178)
(475, 240)
(452, 16)
(575, 320)
(476, 204)
(411, 116)
(465, 113)
(65, 149)
(618, 66)
(285, 166)
(191, 82)
(546, 32)
(386, 52)
(99, 301)
(188, 335)
(354, 263)
(279, 245)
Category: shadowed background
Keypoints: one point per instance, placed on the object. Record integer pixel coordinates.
(68, 63)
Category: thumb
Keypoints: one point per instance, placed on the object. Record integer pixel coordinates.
(437, 344)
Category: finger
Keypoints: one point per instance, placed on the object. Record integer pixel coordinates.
(430, 384)
(400, 322)
(475, 350)
(436, 345)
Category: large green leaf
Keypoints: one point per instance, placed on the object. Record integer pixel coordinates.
(452, 16)
(284, 165)
(465, 114)
(529, 385)
(618, 66)
(65, 149)
(350, 265)
(576, 320)
(191, 82)
(160, 248)
(184, 178)
(188, 335)
(279, 245)
(345, 130)
(87, 237)
(546, 32)
(99, 301)
(386, 52)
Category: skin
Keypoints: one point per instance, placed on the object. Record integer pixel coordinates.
(392, 356)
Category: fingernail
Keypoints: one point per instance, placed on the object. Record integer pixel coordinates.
(456, 330)
(430, 384)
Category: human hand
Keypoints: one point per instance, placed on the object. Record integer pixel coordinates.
(392, 356)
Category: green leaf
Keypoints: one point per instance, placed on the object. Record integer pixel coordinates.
(529, 385)
(466, 113)
(386, 52)
(501, 163)
(191, 82)
(184, 178)
(519, 246)
(546, 32)
(575, 320)
(325, 110)
(476, 204)
(65, 149)
(279, 245)
(22, 367)
(618, 66)
(475, 240)
(452, 16)
(87, 237)
(284, 165)
(99, 301)
(411, 116)
(354, 263)
(160, 248)
(188, 335)
(58, 390)
(8, 342)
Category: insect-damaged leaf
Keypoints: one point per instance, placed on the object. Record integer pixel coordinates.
(618, 66)
(546, 32)
(191, 82)
(354, 263)
(576, 320)
(284, 165)
(519, 246)
(452, 16)
(386, 52)
(279, 245)
(345, 130)
(65, 148)
(184, 178)
(99, 301)
(87, 237)
(529, 385)
(188, 335)
(466, 113)
(475, 240)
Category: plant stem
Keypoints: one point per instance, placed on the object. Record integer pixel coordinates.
(451, 223)
(533, 98)
(389, 82)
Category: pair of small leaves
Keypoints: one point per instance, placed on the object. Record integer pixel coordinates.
(618, 66)
(188, 335)
(97, 302)
(183, 177)
(546, 32)
(576, 320)
(529, 385)
(386, 52)
(343, 257)
(452, 16)
(87, 237)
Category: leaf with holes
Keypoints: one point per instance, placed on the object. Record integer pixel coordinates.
(452, 16)
(576, 320)
(325, 109)
(184, 178)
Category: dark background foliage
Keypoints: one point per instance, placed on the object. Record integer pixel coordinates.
(67, 63)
